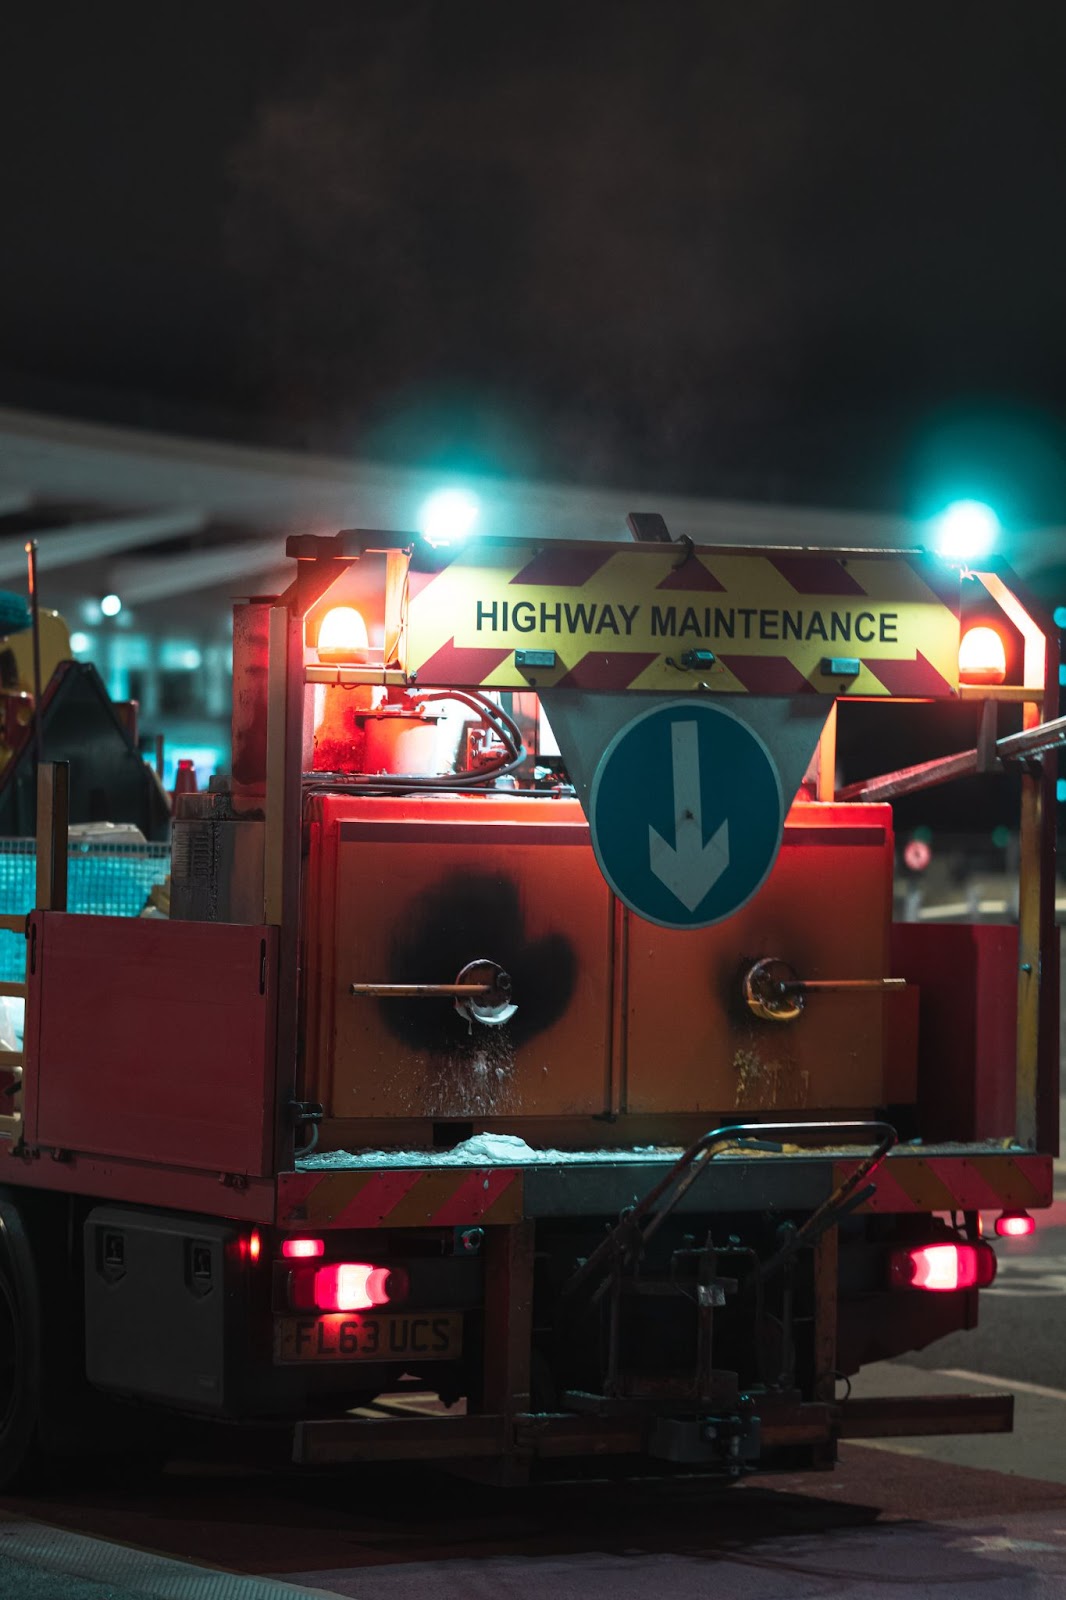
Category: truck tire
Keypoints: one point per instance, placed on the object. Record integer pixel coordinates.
(20, 1353)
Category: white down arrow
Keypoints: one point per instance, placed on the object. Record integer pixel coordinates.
(688, 868)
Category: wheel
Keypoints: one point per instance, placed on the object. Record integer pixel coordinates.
(20, 1353)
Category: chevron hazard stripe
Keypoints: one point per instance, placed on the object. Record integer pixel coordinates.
(562, 615)
(956, 1183)
(399, 1197)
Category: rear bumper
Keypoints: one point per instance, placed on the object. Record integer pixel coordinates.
(531, 1436)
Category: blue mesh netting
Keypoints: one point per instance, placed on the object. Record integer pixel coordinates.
(14, 612)
(106, 879)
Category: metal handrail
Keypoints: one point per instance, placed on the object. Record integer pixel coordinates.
(629, 1234)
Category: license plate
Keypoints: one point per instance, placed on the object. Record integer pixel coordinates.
(421, 1335)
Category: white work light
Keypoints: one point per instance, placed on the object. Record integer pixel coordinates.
(966, 531)
(448, 516)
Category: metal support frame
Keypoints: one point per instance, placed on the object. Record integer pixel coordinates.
(1034, 750)
(827, 757)
(283, 845)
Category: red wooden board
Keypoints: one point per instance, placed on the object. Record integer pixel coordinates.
(152, 1040)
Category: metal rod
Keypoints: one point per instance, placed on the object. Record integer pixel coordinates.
(836, 1205)
(1032, 742)
(799, 985)
(418, 991)
(1035, 741)
(640, 1221)
(38, 739)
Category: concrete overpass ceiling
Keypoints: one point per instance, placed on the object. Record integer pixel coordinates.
(156, 517)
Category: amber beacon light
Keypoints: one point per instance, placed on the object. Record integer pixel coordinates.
(342, 637)
(982, 657)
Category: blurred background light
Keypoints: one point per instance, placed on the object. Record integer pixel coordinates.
(111, 605)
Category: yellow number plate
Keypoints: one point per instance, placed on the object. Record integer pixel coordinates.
(352, 1336)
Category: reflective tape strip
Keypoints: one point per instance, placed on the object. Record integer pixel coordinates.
(917, 679)
(400, 1197)
(601, 670)
(564, 565)
(767, 674)
(817, 575)
(622, 617)
(694, 576)
(956, 1183)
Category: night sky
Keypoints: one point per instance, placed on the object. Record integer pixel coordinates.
(811, 252)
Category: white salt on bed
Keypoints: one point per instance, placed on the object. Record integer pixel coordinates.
(484, 1149)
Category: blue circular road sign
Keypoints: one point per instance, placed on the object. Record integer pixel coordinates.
(686, 814)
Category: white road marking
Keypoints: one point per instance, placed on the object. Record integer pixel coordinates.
(1029, 1275)
(1040, 1389)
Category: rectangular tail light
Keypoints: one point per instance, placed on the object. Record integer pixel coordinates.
(302, 1249)
(942, 1268)
(1015, 1225)
(342, 1286)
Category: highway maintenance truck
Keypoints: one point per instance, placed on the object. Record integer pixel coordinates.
(530, 1068)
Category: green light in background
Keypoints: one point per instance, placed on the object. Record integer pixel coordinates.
(1001, 837)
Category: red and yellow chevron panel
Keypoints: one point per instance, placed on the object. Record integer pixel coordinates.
(400, 1197)
(999, 1182)
(621, 616)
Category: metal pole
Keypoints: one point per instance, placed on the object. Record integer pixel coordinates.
(1031, 743)
(38, 741)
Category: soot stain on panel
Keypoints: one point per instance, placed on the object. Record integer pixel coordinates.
(465, 917)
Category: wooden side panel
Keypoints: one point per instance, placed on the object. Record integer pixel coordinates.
(154, 1040)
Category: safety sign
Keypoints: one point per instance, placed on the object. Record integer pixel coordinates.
(655, 618)
(686, 814)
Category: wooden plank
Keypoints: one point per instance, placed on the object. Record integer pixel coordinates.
(14, 921)
(53, 811)
(13, 989)
(508, 1317)
(334, 1440)
(826, 1281)
(1032, 896)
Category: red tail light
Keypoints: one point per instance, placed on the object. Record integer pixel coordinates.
(1015, 1225)
(343, 1286)
(943, 1267)
(302, 1249)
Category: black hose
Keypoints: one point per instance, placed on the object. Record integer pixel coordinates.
(494, 716)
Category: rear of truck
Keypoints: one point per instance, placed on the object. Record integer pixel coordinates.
(410, 1134)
